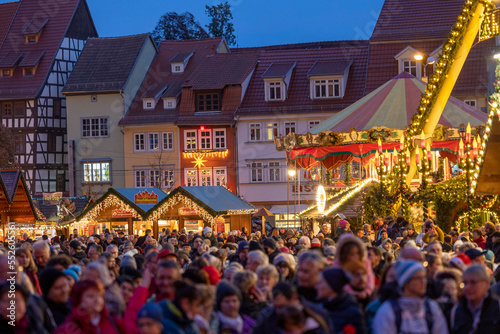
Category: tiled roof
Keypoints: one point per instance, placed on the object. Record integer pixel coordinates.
(35, 26)
(50, 211)
(329, 67)
(222, 69)
(277, 70)
(105, 64)
(32, 58)
(409, 19)
(155, 91)
(160, 74)
(59, 14)
(180, 57)
(7, 12)
(298, 100)
(10, 59)
(305, 46)
(10, 179)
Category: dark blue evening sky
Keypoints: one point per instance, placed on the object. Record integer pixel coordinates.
(257, 22)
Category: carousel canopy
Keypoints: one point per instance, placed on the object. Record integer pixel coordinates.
(392, 105)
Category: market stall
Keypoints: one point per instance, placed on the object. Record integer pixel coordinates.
(17, 212)
(121, 209)
(197, 207)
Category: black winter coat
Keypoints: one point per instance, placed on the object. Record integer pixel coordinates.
(488, 323)
(344, 311)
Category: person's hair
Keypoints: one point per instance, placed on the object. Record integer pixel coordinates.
(434, 242)
(233, 267)
(306, 239)
(31, 263)
(465, 247)
(477, 271)
(259, 257)
(328, 242)
(41, 245)
(195, 276)
(104, 258)
(447, 239)
(314, 257)
(431, 259)
(212, 261)
(184, 290)
(286, 289)
(112, 246)
(168, 264)
(6, 287)
(102, 271)
(97, 247)
(62, 260)
(207, 293)
(454, 233)
(377, 251)
(270, 271)
(79, 289)
(244, 280)
(291, 316)
(478, 231)
(489, 226)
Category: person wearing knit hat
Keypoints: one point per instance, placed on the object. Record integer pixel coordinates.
(411, 312)
(343, 309)
(72, 277)
(344, 227)
(149, 319)
(285, 263)
(359, 281)
(207, 234)
(460, 262)
(315, 243)
(270, 248)
(55, 289)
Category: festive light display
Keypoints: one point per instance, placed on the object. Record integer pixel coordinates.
(199, 162)
(349, 195)
(205, 154)
(321, 199)
(108, 202)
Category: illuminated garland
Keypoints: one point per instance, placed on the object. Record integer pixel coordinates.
(205, 154)
(356, 190)
(109, 201)
(465, 215)
(180, 198)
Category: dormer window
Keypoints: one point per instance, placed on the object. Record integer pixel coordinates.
(148, 104)
(208, 102)
(407, 63)
(6, 72)
(169, 103)
(34, 29)
(179, 62)
(30, 39)
(328, 80)
(28, 71)
(277, 80)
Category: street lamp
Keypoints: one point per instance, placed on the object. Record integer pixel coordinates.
(425, 61)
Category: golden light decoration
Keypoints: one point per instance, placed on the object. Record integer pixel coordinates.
(110, 201)
(199, 162)
(205, 154)
(356, 190)
(321, 199)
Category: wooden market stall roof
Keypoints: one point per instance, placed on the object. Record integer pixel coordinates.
(135, 200)
(212, 201)
(15, 198)
(488, 182)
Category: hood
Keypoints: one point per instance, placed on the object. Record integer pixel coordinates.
(346, 239)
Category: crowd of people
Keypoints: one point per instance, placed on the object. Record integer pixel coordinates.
(382, 278)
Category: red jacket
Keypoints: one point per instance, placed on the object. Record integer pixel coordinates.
(481, 242)
(79, 323)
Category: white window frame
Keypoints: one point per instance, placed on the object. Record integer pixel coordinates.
(289, 126)
(313, 124)
(193, 176)
(167, 101)
(219, 172)
(154, 178)
(143, 149)
(471, 103)
(148, 104)
(205, 177)
(205, 142)
(255, 169)
(412, 64)
(274, 171)
(189, 147)
(153, 138)
(94, 166)
(169, 178)
(140, 176)
(272, 130)
(168, 139)
(274, 85)
(219, 138)
(90, 124)
(258, 128)
(180, 68)
(325, 83)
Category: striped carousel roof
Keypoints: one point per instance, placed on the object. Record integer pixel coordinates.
(392, 105)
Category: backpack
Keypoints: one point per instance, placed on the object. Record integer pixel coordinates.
(397, 313)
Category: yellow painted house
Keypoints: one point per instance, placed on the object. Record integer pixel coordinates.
(99, 93)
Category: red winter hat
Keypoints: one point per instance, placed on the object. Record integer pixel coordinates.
(213, 274)
(343, 223)
(284, 250)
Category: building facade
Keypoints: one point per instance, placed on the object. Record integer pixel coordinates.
(40, 45)
(99, 93)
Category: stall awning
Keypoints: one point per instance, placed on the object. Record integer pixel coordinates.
(282, 209)
(334, 156)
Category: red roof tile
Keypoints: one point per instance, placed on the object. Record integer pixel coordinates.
(180, 57)
(32, 58)
(223, 69)
(298, 100)
(277, 70)
(7, 12)
(11, 59)
(59, 14)
(413, 20)
(160, 74)
(329, 67)
(35, 26)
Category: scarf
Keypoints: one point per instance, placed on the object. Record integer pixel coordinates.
(235, 324)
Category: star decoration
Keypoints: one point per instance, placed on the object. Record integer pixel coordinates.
(199, 162)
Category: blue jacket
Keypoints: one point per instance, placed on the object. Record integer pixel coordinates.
(344, 311)
(174, 320)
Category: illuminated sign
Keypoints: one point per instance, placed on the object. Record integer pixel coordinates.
(189, 212)
(146, 198)
(121, 214)
(321, 199)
